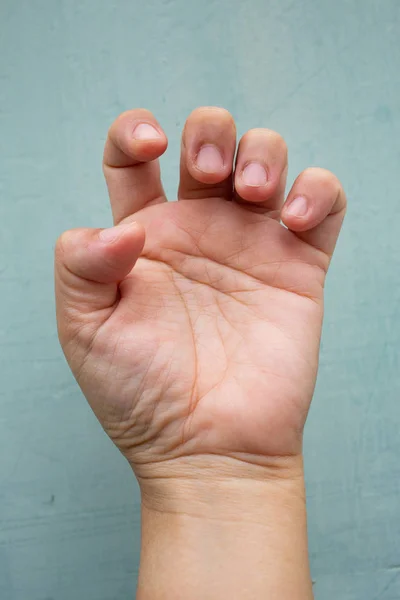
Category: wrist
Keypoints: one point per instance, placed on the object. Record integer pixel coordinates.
(218, 487)
(226, 532)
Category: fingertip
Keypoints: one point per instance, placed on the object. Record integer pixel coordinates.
(315, 208)
(147, 142)
(296, 213)
(261, 168)
(253, 183)
(122, 243)
(134, 137)
(316, 194)
(120, 247)
(208, 147)
(209, 165)
(146, 132)
(144, 143)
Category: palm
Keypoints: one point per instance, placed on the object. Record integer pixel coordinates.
(209, 344)
(214, 342)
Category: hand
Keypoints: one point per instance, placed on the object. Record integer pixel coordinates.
(193, 327)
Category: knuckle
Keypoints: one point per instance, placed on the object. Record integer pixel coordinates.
(327, 177)
(211, 113)
(329, 180)
(67, 243)
(277, 140)
(274, 139)
(61, 245)
(280, 143)
(126, 120)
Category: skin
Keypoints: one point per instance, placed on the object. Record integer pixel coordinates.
(193, 327)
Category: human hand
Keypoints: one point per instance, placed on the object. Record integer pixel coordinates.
(193, 327)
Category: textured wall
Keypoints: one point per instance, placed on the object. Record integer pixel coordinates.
(323, 73)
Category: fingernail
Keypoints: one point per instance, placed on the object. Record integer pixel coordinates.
(297, 207)
(144, 131)
(254, 175)
(113, 233)
(209, 159)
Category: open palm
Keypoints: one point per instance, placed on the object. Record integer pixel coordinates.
(193, 326)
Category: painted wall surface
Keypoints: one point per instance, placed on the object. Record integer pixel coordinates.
(326, 75)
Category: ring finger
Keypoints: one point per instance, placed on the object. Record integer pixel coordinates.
(261, 170)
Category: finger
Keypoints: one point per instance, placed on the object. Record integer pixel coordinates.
(261, 169)
(134, 143)
(89, 264)
(315, 209)
(208, 147)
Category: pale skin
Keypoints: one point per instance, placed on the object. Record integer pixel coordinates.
(193, 329)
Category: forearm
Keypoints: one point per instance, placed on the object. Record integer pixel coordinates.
(233, 539)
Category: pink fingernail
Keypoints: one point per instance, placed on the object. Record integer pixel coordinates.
(254, 175)
(113, 233)
(298, 207)
(144, 131)
(209, 159)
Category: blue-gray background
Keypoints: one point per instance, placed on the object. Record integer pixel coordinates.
(323, 73)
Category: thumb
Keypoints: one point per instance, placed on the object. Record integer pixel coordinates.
(89, 264)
